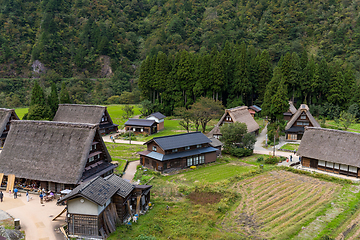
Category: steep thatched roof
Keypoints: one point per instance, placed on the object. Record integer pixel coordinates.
(331, 145)
(302, 109)
(292, 108)
(79, 113)
(48, 151)
(5, 115)
(237, 114)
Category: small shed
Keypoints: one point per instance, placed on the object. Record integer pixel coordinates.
(90, 212)
(141, 126)
(215, 143)
(159, 119)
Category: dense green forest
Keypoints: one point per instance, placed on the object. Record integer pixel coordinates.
(83, 39)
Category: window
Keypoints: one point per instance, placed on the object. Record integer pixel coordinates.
(174, 150)
(306, 123)
(94, 146)
(154, 148)
(303, 117)
(196, 160)
(201, 159)
(198, 146)
(187, 148)
(141, 130)
(189, 161)
(299, 123)
(291, 136)
(91, 159)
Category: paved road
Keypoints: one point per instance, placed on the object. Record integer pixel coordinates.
(131, 170)
(107, 139)
(35, 219)
(259, 149)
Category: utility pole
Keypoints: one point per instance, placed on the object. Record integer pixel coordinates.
(274, 145)
(130, 135)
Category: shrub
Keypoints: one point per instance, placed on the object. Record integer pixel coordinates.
(260, 159)
(271, 160)
(240, 152)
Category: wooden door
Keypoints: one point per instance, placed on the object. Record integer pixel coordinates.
(313, 163)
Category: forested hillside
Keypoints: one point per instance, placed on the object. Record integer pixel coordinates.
(86, 39)
(71, 36)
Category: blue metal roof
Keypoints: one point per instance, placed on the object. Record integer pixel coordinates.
(139, 122)
(161, 157)
(181, 140)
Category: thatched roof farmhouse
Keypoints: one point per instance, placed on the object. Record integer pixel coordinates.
(330, 150)
(237, 114)
(92, 114)
(55, 155)
(302, 118)
(6, 115)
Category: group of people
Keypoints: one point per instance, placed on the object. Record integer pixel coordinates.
(28, 197)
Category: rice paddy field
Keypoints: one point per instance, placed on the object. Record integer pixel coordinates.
(235, 199)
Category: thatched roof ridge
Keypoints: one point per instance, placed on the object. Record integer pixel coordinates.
(79, 113)
(302, 108)
(292, 108)
(58, 124)
(5, 115)
(238, 114)
(47, 151)
(330, 145)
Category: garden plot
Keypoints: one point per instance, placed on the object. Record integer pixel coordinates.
(277, 204)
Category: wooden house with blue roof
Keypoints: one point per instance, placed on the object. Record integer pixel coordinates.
(178, 151)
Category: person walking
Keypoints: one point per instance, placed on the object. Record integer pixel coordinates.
(15, 192)
(1, 196)
(41, 198)
(290, 158)
(27, 196)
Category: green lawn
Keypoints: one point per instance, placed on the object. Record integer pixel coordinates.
(225, 167)
(116, 113)
(290, 146)
(21, 112)
(124, 151)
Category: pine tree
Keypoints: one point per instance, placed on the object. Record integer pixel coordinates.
(53, 101)
(161, 73)
(264, 73)
(294, 83)
(64, 94)
(272, 89)
(323, 76)
(241, 82)
(279, 101)
(37, 95)
(336, 91)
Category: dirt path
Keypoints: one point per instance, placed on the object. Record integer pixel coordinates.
(131, 170)
(107, 139)
(35, 219)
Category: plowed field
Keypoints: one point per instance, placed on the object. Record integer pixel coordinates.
(277, 204)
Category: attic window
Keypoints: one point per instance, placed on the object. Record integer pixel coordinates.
(228, 118)
(198, 146)
(303, 117)
(154, 148)
(174, 150)
(187, 147)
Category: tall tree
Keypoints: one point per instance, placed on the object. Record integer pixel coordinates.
(53, 101)
(242, 85)
(64, 94)
(264, 73)
(207, 109)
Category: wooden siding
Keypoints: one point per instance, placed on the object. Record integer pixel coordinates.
(305, 162)
(160, 126)
(158, 148)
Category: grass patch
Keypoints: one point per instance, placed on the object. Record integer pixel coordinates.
(21, 112)
(124, 151)
(116, 113)
(212, 173)
(290, 146)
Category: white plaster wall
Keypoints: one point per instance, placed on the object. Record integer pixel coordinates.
(77, 207)
(153, 118)
(101, 208)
